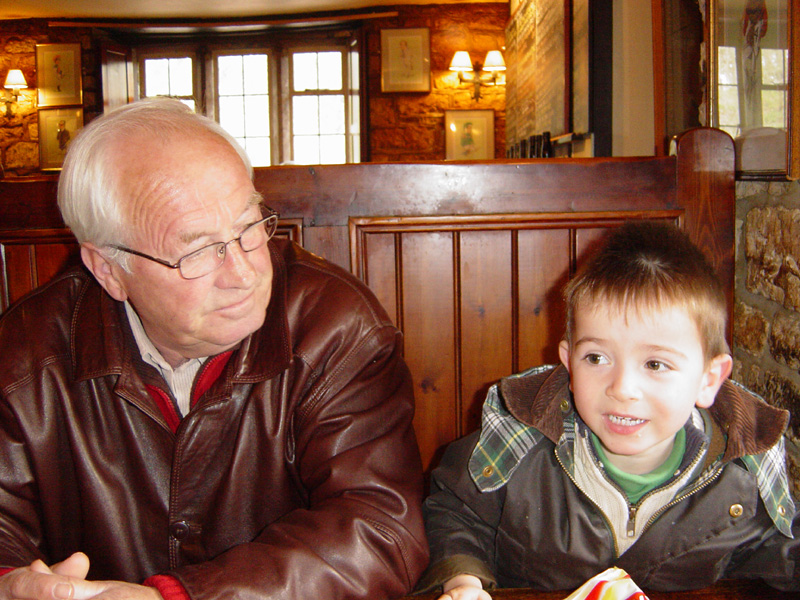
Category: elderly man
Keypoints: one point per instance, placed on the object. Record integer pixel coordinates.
(212, 414)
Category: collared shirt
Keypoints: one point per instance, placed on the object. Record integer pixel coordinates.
(179, 379)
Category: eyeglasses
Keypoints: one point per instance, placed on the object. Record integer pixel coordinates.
(209, 258)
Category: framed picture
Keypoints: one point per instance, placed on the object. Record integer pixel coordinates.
(469, 134)
(58, 73)
(405, 60)
(750, 94)
(57, 128)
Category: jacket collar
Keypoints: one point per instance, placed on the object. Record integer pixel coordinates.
(750, 425)
(100, 343)
(537, 404)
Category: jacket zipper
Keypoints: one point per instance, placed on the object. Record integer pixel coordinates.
(630, 529)
(692, 492)
(597, 506)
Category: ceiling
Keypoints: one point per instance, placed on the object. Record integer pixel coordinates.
(183, 9)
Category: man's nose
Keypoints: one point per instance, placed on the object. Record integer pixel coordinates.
(237, 265)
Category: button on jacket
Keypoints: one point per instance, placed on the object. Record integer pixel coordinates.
(295, 475)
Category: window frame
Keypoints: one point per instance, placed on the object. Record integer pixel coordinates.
(178, 50)
(278, 45)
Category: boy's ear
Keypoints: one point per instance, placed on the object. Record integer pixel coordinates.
(563, 353)
(715, 374)
(104, 270)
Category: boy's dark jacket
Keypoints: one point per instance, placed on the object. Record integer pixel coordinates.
(531, 526)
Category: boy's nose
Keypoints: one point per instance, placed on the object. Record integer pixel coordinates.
(624, 385)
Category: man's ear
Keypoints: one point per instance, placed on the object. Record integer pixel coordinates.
(717, 371)
(104, 270)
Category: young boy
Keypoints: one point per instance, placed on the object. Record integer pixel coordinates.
(635, 452)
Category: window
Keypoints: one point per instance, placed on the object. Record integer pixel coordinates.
(167, 75)
(243, 102)
(762, 102)
(728, 90)
(774, 86)
(292, 98)
(318, 108)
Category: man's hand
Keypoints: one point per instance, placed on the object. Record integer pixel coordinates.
(464, 587)
(67, 581)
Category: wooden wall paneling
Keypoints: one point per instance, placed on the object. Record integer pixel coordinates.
(380, 272)
(32, 258)
(487, 339)
(329, 241)
(429, 287)
(291, 229)
(543, 263)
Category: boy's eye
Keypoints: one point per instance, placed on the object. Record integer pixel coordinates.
(656, 365)
(594, 359)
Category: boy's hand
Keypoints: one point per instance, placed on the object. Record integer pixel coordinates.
(464, 587)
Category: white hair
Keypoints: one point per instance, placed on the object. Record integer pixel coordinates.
(90, 193)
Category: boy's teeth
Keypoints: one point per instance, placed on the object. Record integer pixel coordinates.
(625, 420)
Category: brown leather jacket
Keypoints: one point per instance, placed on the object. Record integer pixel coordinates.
(296, 475)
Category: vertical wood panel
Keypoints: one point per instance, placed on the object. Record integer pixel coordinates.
(486, 333)
(587, 242)
(18, 276)
(429, 326)
(50, 259)
(380, 272)
(330, 243)
(543, 263)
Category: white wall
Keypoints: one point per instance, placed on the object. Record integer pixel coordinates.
(633, 124)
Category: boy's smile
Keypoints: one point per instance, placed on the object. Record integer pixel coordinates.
(636, 373)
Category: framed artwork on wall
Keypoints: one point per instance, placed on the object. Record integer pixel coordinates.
(57, 128)
(405, 60)
(469, 134)
(58, 72)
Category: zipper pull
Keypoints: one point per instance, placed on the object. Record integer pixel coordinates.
(631, 521)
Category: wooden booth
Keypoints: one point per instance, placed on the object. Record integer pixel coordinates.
(469, 258)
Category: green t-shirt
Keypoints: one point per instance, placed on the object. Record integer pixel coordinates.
(636, 486)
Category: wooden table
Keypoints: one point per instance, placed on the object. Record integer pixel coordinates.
(726, 590)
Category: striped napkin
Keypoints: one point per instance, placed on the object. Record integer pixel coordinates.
(611, 584)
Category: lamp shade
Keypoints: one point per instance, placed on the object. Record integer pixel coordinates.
(494, 61)
(15, 80)
(461, 61)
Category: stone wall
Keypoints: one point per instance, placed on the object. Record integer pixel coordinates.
(766, 333)
(19, 130)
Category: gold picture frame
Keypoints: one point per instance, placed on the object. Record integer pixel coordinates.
(469, 134)
(57, 129)
(405, 60)
(58, 73)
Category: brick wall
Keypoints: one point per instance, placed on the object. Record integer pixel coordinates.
(409, 127)
(766, 333)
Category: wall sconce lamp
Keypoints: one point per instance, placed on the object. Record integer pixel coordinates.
(488, 73)
(15, 81)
